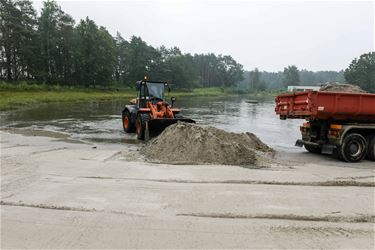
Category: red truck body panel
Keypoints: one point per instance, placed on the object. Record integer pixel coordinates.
(316, 105)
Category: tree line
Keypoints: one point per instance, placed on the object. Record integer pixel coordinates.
(291, 75)
(51, 48)
(361, 72)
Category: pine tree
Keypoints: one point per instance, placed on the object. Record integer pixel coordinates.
(18, 23)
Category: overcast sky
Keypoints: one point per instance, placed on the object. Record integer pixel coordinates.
(268, 35)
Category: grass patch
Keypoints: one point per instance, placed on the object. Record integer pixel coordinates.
(21, 94)
(14, 99)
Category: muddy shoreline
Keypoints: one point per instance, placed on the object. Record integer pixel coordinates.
(100, 195)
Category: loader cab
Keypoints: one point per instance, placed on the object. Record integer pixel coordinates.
(150, 91)
(150, 114)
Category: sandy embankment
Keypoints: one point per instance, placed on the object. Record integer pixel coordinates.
(188, 143)
(58, 194)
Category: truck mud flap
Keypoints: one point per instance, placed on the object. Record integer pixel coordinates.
(299, 143)
(156, 126)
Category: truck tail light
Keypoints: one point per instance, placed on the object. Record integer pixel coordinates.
(306, 124)
(336, 126)
(305, 127)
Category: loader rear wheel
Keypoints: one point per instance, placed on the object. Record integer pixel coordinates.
(313, 149)
(371, 147)
(140, 125)
(126, 122)
(353, 148)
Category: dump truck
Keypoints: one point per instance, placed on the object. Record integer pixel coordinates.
(338, 123)
(149, 114)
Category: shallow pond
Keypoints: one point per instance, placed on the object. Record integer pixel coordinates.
(100, 122)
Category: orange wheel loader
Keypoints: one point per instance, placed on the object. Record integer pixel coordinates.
(149, 114)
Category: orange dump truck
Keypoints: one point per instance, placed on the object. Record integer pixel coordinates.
(338, 123)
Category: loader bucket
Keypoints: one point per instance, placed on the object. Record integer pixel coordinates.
(154, 127)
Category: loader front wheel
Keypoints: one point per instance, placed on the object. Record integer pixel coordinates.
(140, 125)
(126, 122)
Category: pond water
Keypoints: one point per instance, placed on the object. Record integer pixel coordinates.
(100, 122)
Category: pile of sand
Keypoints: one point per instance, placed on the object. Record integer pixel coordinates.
(186, 143)
(341, 87)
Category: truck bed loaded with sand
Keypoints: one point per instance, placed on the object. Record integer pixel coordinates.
(340, 120)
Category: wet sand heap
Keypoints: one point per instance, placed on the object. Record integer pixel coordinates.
(341, 87)
(186, 143)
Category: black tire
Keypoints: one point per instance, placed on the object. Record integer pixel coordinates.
(353, 148)
(140, 125)
(371, 147)
(313, 149)
(127, 124)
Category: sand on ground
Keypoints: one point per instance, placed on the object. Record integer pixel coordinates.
(184, 143)
(57, 194)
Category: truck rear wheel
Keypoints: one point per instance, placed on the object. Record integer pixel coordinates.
(126, 122)
(313, 149)
(371, 147)
(353, 148)
(140, 125)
